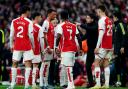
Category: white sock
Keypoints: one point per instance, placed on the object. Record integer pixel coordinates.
(63, 75)
(34, 75)
(41, 75)
(107, 75)
(70, 77)
(14, 73)
(27, 74)
(45, 74)
(97, 76)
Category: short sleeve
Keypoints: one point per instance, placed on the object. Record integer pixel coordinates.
(45, 26)
(101, 24)
(41, 34)
(30, 28)
(77, 32)
(11, 34)
(59, 29)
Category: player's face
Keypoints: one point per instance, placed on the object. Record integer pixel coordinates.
(88, 19)
(98, 11)
(39, 18)
(54, 22)
(28, 13)
(53, 15)
(114, 19)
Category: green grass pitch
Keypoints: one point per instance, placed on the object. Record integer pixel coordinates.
(21, 87)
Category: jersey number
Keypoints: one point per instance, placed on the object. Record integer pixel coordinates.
(109, 32)
(19, 34)
(70, 32)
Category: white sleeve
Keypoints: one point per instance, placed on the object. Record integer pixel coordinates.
(77, 32)
(11, 35)
(45, 26)
(100, 37)
(59, 29)
(101, 24)
(30, 33)
(41, 39)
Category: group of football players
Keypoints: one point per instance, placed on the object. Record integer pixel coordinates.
(62, 40)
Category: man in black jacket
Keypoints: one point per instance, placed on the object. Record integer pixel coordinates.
(118, 40)
(91, 30)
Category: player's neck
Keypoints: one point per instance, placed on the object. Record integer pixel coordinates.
(48, 18)
(103, 15)
(24, 15)
(35, 21)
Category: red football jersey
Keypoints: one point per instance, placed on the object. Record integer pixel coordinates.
(49, 29)
(22, 27)
(68, 31)
(36, 30)
(106, 24)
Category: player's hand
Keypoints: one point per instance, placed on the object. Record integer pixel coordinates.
(96, 51)
(57, 51)
(122, 50)
(77, 23)
(48, 50)
(11, 49)
(80, 52)
(42, 53)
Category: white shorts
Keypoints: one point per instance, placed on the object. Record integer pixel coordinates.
(103, 53)
(48, 57)
(68, 58)
(27, 55)
(36, 59)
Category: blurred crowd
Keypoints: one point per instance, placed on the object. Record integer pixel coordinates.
(9, 9)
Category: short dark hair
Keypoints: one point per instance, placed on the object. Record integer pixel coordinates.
(118, 15)
(102, 8)
(24, 9)
(35, 14)
(91, 15)
(50, 11)
(64, 14)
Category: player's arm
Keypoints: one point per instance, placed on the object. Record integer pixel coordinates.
(79, 39)
(100, 37)
(41, 39)
(58, 37)
(58, 40)
(11, 36)
(101, 27)
(123, 33)
(30, 34)
(45, 27)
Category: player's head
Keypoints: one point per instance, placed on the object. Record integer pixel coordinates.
(51, 13)
(90, 18)
(64, 15)
(37, 17)
(25, 10)
(117, 16)
(101, 10)
(54, 22)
